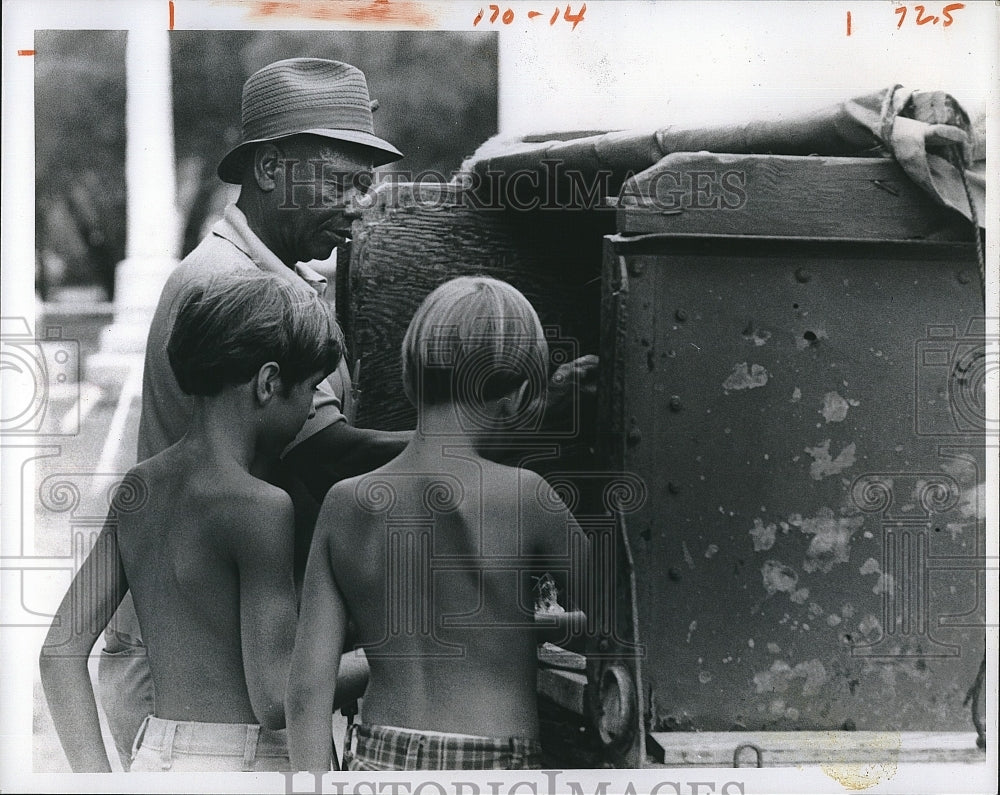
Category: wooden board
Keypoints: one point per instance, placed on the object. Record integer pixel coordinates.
(565, 688)
(788, 749)
(838, 197)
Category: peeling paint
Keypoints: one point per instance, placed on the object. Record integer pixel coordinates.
(870, 628)
(796, 395)
(757, 336)
(831, 539)
(961, 469)
(835, 407)
(972, 502)
(773, 648)
(885, 582)
(870, 566)
(711, 550)
(800, 596)
(704, 677)
(742, 378)
(763, 536)
(688, 559)
(824, 466)
(833, 619)
(778, 577)
(780, 676)
(691, 628)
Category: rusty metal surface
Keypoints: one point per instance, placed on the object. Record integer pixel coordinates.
(810, 552)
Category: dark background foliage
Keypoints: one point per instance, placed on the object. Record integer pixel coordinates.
(437, 96)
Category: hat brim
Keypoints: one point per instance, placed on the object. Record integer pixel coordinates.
(382, 151)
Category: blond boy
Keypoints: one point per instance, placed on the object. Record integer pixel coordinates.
(432, 557)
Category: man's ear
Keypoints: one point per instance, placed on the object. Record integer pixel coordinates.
(266, 163)
(267, 382)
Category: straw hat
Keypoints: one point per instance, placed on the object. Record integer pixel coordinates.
(307, 95)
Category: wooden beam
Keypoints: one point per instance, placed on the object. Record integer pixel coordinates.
(848, 197)
(557, 657)
(784, 749)
(565, 688)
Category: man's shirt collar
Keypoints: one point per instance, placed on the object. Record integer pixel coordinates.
(233, 227)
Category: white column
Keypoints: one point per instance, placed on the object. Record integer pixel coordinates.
(153, 228)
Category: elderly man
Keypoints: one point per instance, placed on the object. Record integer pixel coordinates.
(308, 149)
(307, 152)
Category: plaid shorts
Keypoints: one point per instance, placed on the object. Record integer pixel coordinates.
(392, 748)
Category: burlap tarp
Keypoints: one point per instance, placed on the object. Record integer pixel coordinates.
(928, 133)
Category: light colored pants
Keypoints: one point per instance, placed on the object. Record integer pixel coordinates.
(193, 746)
(125, 687)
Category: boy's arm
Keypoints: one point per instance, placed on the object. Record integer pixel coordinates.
(563, 551)
(316, 659)
(92, 598)
(264, 550)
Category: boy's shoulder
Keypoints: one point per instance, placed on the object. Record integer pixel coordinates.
(225, 497)
(529, 490)
(248, 497)
(251, 518)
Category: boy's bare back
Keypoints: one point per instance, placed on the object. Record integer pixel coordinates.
(433, 554)
(209, 551)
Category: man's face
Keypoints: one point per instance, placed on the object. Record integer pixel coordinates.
(316, 181)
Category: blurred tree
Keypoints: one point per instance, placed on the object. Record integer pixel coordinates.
(437, 94)
(80, 153)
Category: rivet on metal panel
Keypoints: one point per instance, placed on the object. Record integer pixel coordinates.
(675, 403)
(673, 488)
(635, 267)
(681, 315)
(603, 645)
(964, 277)
(756, 749)
(802, 275)
(674, 574)
(634, 436)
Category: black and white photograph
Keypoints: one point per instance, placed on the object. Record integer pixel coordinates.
(526, 397)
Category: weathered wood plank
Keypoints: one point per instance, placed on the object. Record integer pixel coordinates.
(781, 749)
(847, 197)
(556, 657)
(565, 688)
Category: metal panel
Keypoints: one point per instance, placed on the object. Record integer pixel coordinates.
(805, 417)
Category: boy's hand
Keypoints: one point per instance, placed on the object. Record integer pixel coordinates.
(578, 375)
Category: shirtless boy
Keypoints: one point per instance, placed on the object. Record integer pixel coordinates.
(205, 547)
(431, 556)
